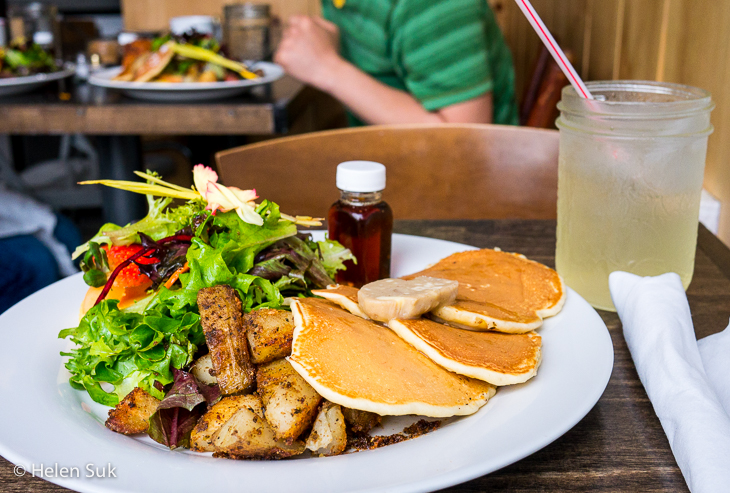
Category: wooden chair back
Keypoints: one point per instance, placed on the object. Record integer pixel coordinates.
(433, 171)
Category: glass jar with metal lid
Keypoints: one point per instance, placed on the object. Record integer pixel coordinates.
(35, 23)
(247, 31)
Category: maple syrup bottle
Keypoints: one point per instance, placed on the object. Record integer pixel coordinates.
(362, 222)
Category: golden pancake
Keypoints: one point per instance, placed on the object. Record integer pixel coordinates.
(345, 296)
(500, 359)
(362, 365)
(498, 291)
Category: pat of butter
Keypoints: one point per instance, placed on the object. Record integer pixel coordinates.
(387, 299)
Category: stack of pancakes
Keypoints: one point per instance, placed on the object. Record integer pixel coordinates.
(446, 364)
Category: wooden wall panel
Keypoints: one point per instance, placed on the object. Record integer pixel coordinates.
(604, 17)
(154, 15)
(568, 26)
(641, 39)
(676, 36)
(704, 61)
(564, 18)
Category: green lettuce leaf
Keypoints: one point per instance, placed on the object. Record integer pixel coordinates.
(155, 224)
(159, 223)
(227, 257)
(334, 256)
(127, 350)
(208, 267)
(100, 238)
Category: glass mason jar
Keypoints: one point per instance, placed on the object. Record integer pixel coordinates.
(35, 23)
(246, 31)
(629, 182)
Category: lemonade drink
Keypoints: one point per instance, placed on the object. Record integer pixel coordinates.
(629, 183)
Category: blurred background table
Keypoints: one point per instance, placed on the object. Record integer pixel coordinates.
(619, 445)
(117, 122)
(264, 110)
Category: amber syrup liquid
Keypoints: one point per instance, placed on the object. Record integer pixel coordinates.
(363, 223)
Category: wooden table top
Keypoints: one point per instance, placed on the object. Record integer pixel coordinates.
(264, 110)
(619, 445)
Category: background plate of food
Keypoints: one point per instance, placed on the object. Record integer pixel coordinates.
(24, 68)
(182, 68)
(185, 91)
(48, 423)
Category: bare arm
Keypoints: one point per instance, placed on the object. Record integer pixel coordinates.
(309, 52)
(376, 103)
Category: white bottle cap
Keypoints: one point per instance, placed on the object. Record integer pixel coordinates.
(360, 176)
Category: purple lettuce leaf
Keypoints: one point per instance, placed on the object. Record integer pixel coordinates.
(294, 258)
(179, 411)
(172, 427)
(211, 393)
(171, 256)
(183, 393)
(271, 269)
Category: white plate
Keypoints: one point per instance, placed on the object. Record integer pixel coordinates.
(46, 422)
(184, 91)
(20, 85)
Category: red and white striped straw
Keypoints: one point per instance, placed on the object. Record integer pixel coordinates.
(553, 48)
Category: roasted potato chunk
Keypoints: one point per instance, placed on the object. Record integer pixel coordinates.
(269, 334)
(208, 76)
(328, 435)
(203, 370)
(290, 403)
(247, 435)
(133, 413)
(360, 422)
(201, 438)
(222, 321)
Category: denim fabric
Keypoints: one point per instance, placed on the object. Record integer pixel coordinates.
(26, 265)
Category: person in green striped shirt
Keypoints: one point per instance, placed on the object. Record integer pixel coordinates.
(405, 61)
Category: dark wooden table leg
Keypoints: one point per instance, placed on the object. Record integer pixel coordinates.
(119, 157)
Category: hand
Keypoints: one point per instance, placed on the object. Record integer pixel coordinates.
(309, 50)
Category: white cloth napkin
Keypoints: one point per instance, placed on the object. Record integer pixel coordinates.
(683, 386)
(715, 353)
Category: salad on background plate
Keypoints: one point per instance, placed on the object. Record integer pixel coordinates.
(191, 57)
(25, 59)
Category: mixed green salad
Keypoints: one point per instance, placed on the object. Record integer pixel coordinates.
(191, 57)
(219, 235)
(19, 60)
